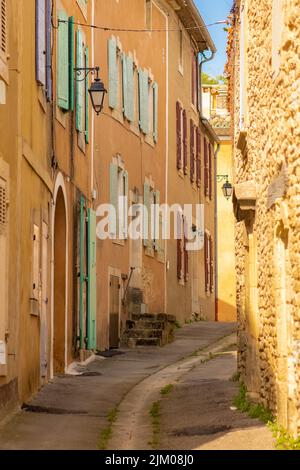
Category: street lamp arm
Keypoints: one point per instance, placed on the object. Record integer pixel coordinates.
(221, 178)
(88, 70)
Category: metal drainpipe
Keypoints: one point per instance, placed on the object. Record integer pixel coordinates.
(205, 60)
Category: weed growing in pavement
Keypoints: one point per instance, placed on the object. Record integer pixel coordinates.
(106, 434)
(284, 441)
(167, 389)
(155, 418)
(253, 410)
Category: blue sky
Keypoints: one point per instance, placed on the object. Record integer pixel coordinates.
(211, 11)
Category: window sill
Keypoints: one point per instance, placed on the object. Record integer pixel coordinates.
(119, 242)
(81, 142)
(117, 115)
(181, 174)
(4, 74)
(193, 108)
(149, 140)
(61, 117)
(42, 98)
(135, 129)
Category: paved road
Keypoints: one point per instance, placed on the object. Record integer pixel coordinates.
(71, 412)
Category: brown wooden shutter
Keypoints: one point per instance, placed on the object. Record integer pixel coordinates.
(3, 29)
(211, 265)
(179, 259)
(185, 149)
(210, 171)
(186, 254)
(178, 135)
(198, 158)
(192, 145)
(206, 177)
(206, 262)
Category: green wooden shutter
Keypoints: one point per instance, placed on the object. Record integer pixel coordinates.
(157, 202)
(125, 176)
(112, 73)
(87, 127)
(140, 73)
(114, 196)
(82, 273)
(80, 85)
(144, 101)
(92, 282)
(71, 62)
(147, 216)
(155, 112)
(130, 89)
(63, 61)
(125, 85)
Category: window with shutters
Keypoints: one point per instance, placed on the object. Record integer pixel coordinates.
(182, 252)
(209, 263)
(4, 227)
(119, 200)
(181, 138)
(153, 222)
(63, 61)
(198, 158)
(194, 81)
(35, 263)
(193, 151)
(3, 40)
(117, 79)
(208, 169)
(43, 62)
(180, 64)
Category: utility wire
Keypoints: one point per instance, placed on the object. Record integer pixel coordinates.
(124, 30)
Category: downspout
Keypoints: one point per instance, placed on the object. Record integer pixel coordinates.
(207, 125)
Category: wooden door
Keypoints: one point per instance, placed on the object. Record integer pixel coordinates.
(44, 303)
(114, 313)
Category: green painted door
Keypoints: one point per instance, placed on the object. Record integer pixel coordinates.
(92, 281)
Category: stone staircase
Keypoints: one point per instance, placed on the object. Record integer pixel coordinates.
(149, 329)
(144, 328)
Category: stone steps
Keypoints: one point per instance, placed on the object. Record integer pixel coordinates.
(148, 329)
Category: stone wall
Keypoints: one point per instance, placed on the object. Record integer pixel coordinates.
(268, 240)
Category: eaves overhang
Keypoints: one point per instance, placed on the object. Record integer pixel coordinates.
(193, 22)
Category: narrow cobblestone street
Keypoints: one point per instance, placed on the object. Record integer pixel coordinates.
(71, 412)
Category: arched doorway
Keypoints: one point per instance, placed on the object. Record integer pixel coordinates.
(59, 326)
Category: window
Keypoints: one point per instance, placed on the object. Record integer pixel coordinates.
(118, 200)
(182, 253)
(3, 40)
(277, 28)
(181, 138)
(209, 264)
(128, 86)
(208, 156)
(195, 80)
(35, 263)
(198, 158)
(181, 51)
(43, 62)
(193, 140)
(148, 6)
